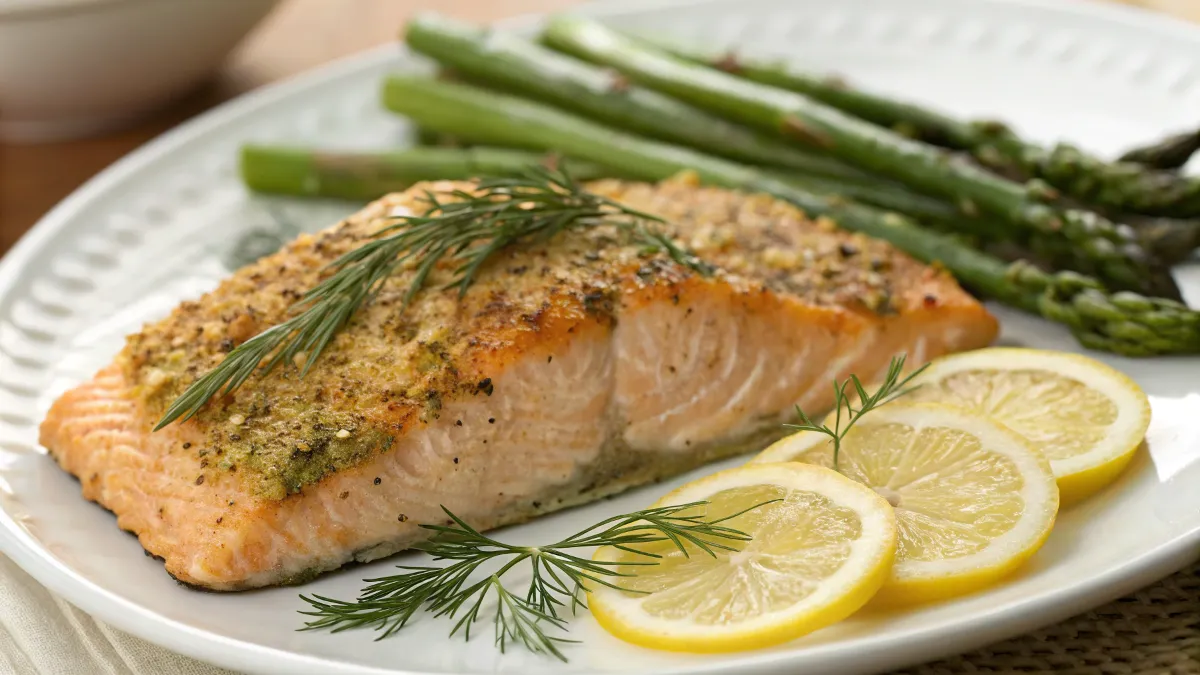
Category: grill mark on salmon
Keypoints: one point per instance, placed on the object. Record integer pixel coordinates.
(572, 369)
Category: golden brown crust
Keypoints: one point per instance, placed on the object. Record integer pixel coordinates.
(392, 366)
(232, 505)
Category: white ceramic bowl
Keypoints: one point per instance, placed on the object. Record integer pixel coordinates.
(71, 68)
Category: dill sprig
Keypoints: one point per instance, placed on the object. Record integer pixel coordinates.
(892, 388)
(457, 592)
(467, 228)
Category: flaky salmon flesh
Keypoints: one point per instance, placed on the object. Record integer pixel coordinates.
(572, 369)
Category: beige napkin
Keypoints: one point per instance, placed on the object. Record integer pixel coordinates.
(1184, 9)
(41, 634)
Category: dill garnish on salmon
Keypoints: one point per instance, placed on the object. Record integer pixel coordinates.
(569, 369)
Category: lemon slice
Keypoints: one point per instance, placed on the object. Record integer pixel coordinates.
(972, 499)
(1087, 418)
(817, 555)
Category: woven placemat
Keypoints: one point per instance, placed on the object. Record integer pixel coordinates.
(1154, 631)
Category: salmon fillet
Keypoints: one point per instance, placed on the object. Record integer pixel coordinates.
(572, 369)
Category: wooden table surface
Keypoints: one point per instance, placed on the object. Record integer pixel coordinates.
(300, 34)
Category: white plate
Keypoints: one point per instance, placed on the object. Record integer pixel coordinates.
(155, 228)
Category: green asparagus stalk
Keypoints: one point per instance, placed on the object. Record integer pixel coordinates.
(430, 139)
(1167, 154)
(308, 172)
(492, 59)
(1168, 240)
(1124, 323)
(1171, 241)
(1128, 184)
(889, 197)
(905, 118)
(511, 63)
(364, 176)
(1103, 249)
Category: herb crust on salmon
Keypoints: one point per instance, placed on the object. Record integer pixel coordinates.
(571, 369)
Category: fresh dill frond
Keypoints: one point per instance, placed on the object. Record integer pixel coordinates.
(465, 227)
(457, 591)
(892, 388)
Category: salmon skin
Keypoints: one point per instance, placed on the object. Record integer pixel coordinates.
(572, 369)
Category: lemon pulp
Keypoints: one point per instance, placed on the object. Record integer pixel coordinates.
(972, 500)
(821, 546)
(1085, 417)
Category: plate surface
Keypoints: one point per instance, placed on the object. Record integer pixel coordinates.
(161, 225)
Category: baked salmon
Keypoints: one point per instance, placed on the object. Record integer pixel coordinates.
(572, 369)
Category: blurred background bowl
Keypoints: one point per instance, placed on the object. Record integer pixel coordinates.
(72, 68)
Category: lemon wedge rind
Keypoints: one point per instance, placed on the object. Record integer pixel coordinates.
(866, 567)
(922, 580)
(1079, 475)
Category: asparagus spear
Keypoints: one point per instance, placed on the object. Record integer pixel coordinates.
(508, 62)
(496, 59)
(1171, 241)
(1124, 323)
(1102, 248)
(363, 176)
(1167, 154)
(430, 139)
(903, 117)
(1125, 185)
